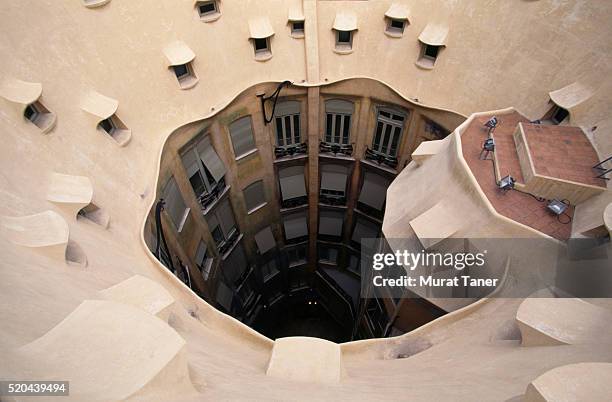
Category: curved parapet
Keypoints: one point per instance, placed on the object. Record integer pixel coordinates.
(70, 192)
(46, 231)
(306, 359)
(143, 293)
(573, 382)
(111, 351)
(559, 321)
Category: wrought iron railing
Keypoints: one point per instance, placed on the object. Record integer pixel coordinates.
(207, 199)
(381, 159)
(229, 242)
(291, 150)
(332, 199)
(294, 202)
(344, 149)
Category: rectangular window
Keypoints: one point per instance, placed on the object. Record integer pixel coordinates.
(296, 228)
(328, 254)
(338, 121)
(261, 44)
(205, 171)
(31, 113)
(287, 123)
(389, 126)
(207, 7)
(296, 255)
(40, 116)
(373, 193)
(330, 224)
(221, 223)
(297, 27)
(203, 261)
(224, 296)
(431, 51)
(559, 114)
(344, 37)
(397, 25)
(354, 265)
(181, 71)
(254, 196)
(241, 133)
(175, 206)
(333, 184)
(364, 229)
(268, 269)
(265, 240)
(235, 265)
(292, 186)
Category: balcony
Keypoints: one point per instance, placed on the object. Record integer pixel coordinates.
(382, 160)
(294, 202)
(226, 246)
(291, 151)
(333, 198)
(335, 150)
(207, 200)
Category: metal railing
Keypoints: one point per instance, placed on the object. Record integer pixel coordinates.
(344, 149)
(207, 199)
(381, 159)
(291, 150)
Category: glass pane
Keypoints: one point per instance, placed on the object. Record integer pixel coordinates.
(206, 8)
(376, 144)
(396, 136)
(386, 137)
(337, 119)
(346, 130)
(218, 235)
(398, 24)
(289, 140)
(328, 128)
(296, 128)
(344, 36)
(209, 178)
(181, 70)
(261, 44)
(198, 184)
(431, 51)
(279, 131)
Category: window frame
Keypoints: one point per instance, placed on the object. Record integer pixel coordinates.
(295, 139)
(226, 233)
(386, 148)
(252, 133)
(181, 221)
(206, 176)
(205, 265)
(344, 46)
(297, 31)
(332, 131)
(254, 208)
(395, 31)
